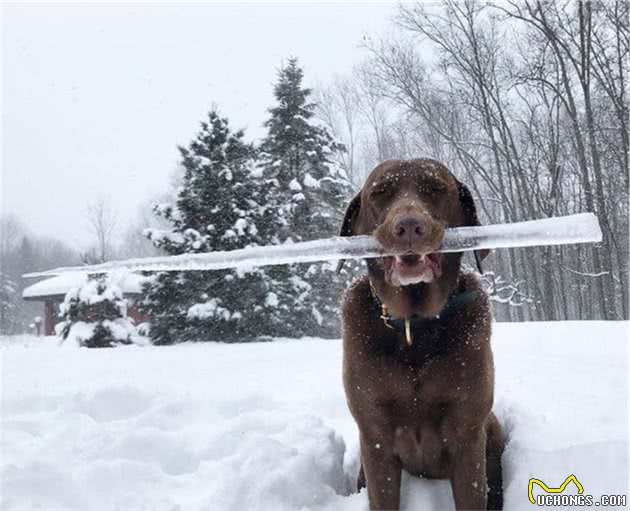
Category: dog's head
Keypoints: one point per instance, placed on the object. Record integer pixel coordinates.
(407, 205)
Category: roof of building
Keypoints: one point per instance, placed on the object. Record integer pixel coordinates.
(58, 286)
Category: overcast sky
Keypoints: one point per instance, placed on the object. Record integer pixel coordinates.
(95, 97)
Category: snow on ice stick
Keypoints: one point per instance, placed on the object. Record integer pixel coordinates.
(579, 228)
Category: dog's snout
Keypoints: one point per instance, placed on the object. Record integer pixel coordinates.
(409, 228)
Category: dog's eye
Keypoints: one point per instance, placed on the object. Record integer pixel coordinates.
(380, 191)
(433, 188)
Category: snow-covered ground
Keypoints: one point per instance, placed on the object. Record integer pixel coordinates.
(265, 426)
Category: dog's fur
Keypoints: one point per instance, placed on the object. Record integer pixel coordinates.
(425, 407)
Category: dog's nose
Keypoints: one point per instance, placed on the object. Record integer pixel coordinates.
(408, 228)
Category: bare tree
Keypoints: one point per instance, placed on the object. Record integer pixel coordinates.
(524, 100)
(21, 252)
(584, 41)
(338, 106)
(11, 232)
(103, 224)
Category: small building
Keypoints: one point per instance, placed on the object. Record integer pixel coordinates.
(53, 290)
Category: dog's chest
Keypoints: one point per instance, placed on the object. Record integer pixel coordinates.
(421, 391)
(411, 393)
(411, 383)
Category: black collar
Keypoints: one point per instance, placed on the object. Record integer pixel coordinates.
(408, 325)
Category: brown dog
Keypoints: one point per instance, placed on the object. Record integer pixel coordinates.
(418, 369)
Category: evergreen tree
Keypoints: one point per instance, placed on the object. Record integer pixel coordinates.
(217, 208)
(305, 192)
(94, 315)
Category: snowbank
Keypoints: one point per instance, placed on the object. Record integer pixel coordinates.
(265, 426)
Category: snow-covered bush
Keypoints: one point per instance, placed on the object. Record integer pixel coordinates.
(94, 315)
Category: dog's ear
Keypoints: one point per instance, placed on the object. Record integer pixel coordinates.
(470, 218)
(349, 223)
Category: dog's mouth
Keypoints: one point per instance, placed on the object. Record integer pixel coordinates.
(411, 268)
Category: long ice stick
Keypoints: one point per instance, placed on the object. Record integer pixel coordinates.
(579, 228)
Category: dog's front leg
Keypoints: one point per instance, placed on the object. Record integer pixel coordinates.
(382, 468)
(467, 449)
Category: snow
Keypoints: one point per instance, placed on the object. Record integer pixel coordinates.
(163, 209)
(310, 181)
(79, 332)
(129, 283)
(271, 299)
(317, 315)
(206, 310)
(580, 228)
(88, 292)
(256, 171)
(163, 236)
(227, 174)
(240, 225)
(294, 185)
(265, 426)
